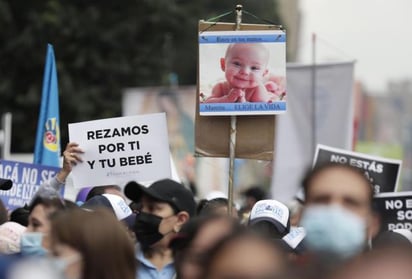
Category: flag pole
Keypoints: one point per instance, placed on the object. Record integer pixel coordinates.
(233, 122)
(313, 96)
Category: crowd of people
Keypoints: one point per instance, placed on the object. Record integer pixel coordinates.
(164, 231)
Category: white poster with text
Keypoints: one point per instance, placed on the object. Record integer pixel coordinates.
(118, 150)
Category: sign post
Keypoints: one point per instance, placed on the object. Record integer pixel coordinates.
(242, 126)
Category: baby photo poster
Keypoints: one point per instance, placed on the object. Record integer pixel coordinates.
(242, 72)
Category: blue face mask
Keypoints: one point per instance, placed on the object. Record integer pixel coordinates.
(31, 244)
(333, 229)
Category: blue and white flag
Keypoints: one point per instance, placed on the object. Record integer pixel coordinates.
(47, 146)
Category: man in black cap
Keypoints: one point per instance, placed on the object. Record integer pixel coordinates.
(164, 207)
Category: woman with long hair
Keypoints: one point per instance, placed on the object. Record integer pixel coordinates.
(92, 245)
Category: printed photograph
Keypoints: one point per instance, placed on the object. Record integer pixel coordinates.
(237, 68)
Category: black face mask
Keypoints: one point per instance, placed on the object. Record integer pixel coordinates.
(147, 229)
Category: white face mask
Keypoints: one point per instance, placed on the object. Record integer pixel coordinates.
(333, 229)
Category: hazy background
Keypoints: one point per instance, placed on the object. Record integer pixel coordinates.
(375, 33)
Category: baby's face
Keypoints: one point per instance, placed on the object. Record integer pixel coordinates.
(245, 65)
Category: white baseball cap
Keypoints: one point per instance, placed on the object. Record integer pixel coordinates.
(271, 211)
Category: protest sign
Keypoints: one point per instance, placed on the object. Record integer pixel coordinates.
(242, 72)
(395, 210)
(383, 173)
(27, 178)
(117, 150)
(212, 134)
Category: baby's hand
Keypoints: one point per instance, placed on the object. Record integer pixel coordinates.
(273, 88)
(235, 95)
(242, 98)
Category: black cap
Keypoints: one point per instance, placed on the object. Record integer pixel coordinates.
(165, 190)
(5, 184)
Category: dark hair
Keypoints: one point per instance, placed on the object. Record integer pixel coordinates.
(388, 239)
(200, 205)
(207, 207)
(255, 192)
(20, 215)
(100, 190)
(191, 228)
(317, 170)
(183, 240)
(267, 229)
(54, 202)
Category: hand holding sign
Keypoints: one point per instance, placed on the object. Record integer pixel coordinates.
(71, 157)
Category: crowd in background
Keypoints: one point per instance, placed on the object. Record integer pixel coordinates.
(164, 231)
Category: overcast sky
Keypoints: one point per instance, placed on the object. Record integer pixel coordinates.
(375, 33)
